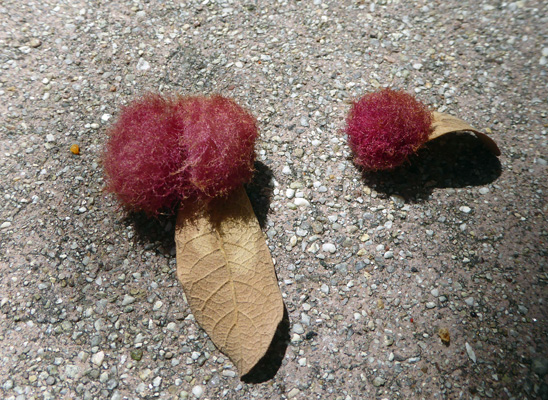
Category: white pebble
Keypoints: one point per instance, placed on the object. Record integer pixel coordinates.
(157, 305)
(301, 202)
(286, 170)
(293, 241)
(465, 209)
(289, 193)
(298, 329)
(229, 373)
(293, 393)
(470, 352)
(143, 65)
(329, 247)
(197, 391)
(50, 138)
(98, 358)
(483, 190)
(172, 326)
(5, 225)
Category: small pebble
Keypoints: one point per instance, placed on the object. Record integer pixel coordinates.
(143, 65)
(35, 42)
(301, 202)
(98, 358)
(5, 225)
(293, 393)
(298, 328)
(540, 366)
(136, 354)
(470, 352)
(197, 391)
(128, 300)
(378, 381)
(329, 247)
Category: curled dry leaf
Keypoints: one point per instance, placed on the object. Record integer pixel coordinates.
(443, 333)
(228, 277)
(444, 123)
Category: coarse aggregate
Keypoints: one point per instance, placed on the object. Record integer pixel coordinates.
(375, 268)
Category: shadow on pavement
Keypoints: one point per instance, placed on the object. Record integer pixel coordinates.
(453, 161)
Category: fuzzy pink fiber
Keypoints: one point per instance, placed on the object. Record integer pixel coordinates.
(384, 128)
(164, 152)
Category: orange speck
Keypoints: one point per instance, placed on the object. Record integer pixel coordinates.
(75, 149)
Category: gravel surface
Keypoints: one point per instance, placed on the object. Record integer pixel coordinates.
(375, 269)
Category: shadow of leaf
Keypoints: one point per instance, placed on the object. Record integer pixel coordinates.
(455, 160)
(268, 366)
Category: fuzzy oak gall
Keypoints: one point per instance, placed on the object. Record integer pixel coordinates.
(384, 128)
(165, 152)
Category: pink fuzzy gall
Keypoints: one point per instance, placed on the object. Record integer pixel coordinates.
(384, 128)
(165, 152)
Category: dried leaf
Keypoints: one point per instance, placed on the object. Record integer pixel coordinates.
(228, 277)
(443, 333)
(445, 123)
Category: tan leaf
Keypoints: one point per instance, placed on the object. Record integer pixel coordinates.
(228, 277)
(445, 123)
